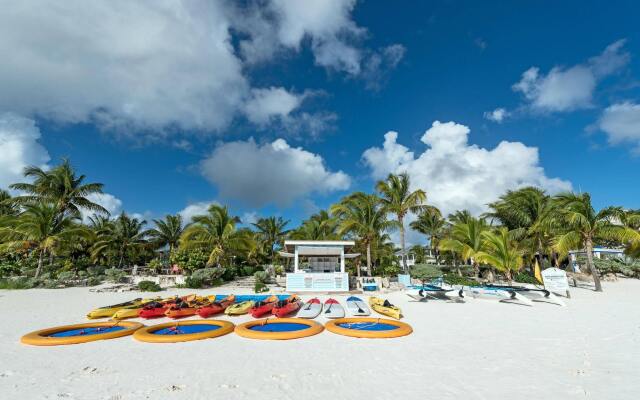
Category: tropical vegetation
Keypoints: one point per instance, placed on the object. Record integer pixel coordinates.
(54, 233)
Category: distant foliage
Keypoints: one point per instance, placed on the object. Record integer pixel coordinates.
(19, 283)
(189, 259)
(425, 272)
(261, 276)
(524, 277)
(455, 279)
(155, 265)
(260, 287)
(149, 286)
(114, 275)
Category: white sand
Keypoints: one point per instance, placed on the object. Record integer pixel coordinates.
(476, 350)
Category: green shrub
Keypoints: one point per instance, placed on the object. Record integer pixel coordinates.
(279, 270)
(523, 277)
(18, 283)
(388, 270)
(208, 276)
(260, 287)
(66, 276)
(95, 280)
(193, 282)
(114, 275)
(261, 276)
(96, 270)
(248, 270)
(189, 260)
(455, 279)
(155, 265)
(230, 273)
(425, 272)
(8, 268)
(148, 286)
(51, 284)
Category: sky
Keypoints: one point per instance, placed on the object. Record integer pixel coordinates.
(281, 107)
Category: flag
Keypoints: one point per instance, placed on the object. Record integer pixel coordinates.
(536, 272)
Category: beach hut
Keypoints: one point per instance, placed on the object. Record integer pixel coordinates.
(318, 265)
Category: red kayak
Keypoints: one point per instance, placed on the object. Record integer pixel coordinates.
(215, 307)
(155, 309)
(264, 307)
(286, 307)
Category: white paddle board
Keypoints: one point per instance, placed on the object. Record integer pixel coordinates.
(357, 307)
(332, 309)
(310, 309)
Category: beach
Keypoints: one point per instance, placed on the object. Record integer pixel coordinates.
(480, 349)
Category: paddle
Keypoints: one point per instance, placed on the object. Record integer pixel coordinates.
(328, 309)
(360, 310)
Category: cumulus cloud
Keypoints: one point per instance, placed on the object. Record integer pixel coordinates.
(621, 123)
(498, 115)
(156, 66)
(271, 173)
(110, 202)
(193, 209)
(335, 39)
(457, 175)
(570, 88)
(19, 148)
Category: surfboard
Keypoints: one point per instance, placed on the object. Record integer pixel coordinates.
(310, 309)
(332, 309)
(357, 307)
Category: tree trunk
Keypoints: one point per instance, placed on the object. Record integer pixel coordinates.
(591, 266)
(121, 258)
(369, 258)
(40, 259)
(402, 245)
(357, 267)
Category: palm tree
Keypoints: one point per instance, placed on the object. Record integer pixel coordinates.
(501, 251)
(582, 226)
(40, 227)
(61, 187)
(7, 205)
(363, 216)
(398, 199)
(167, 231)
(528, 213)
(271, 232)
(320, 226)
(122, 237)
(215, 232)
(431, 224)
(465, 239)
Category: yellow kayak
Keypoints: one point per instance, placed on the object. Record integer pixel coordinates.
(239, 308)
(385, 308)
(132, 311)
(108, 311)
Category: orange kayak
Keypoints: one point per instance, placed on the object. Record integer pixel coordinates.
(215, 307)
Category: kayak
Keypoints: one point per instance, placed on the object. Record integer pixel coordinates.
(215, 307)
(108, 311)
(310, 309)
(133, 311)
(155, 309)
(239, 308)
(332, 309)
(357, 307)
(385, 308)
(286, 307)
(264, 307)
(184, 309)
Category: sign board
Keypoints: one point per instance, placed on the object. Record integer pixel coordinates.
(555, 280)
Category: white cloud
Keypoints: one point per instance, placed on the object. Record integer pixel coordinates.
(110, 202)
(498, 115)
(156, 66)
(327, 24)
(567, 89)
(19, 148)
(457, 175)
(249, 217)
(621, 123)
(269, 103)
(193, 209)
(271, 173)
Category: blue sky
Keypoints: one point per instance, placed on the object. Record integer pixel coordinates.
(279, 107)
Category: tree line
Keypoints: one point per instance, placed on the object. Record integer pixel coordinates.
(41, 228)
